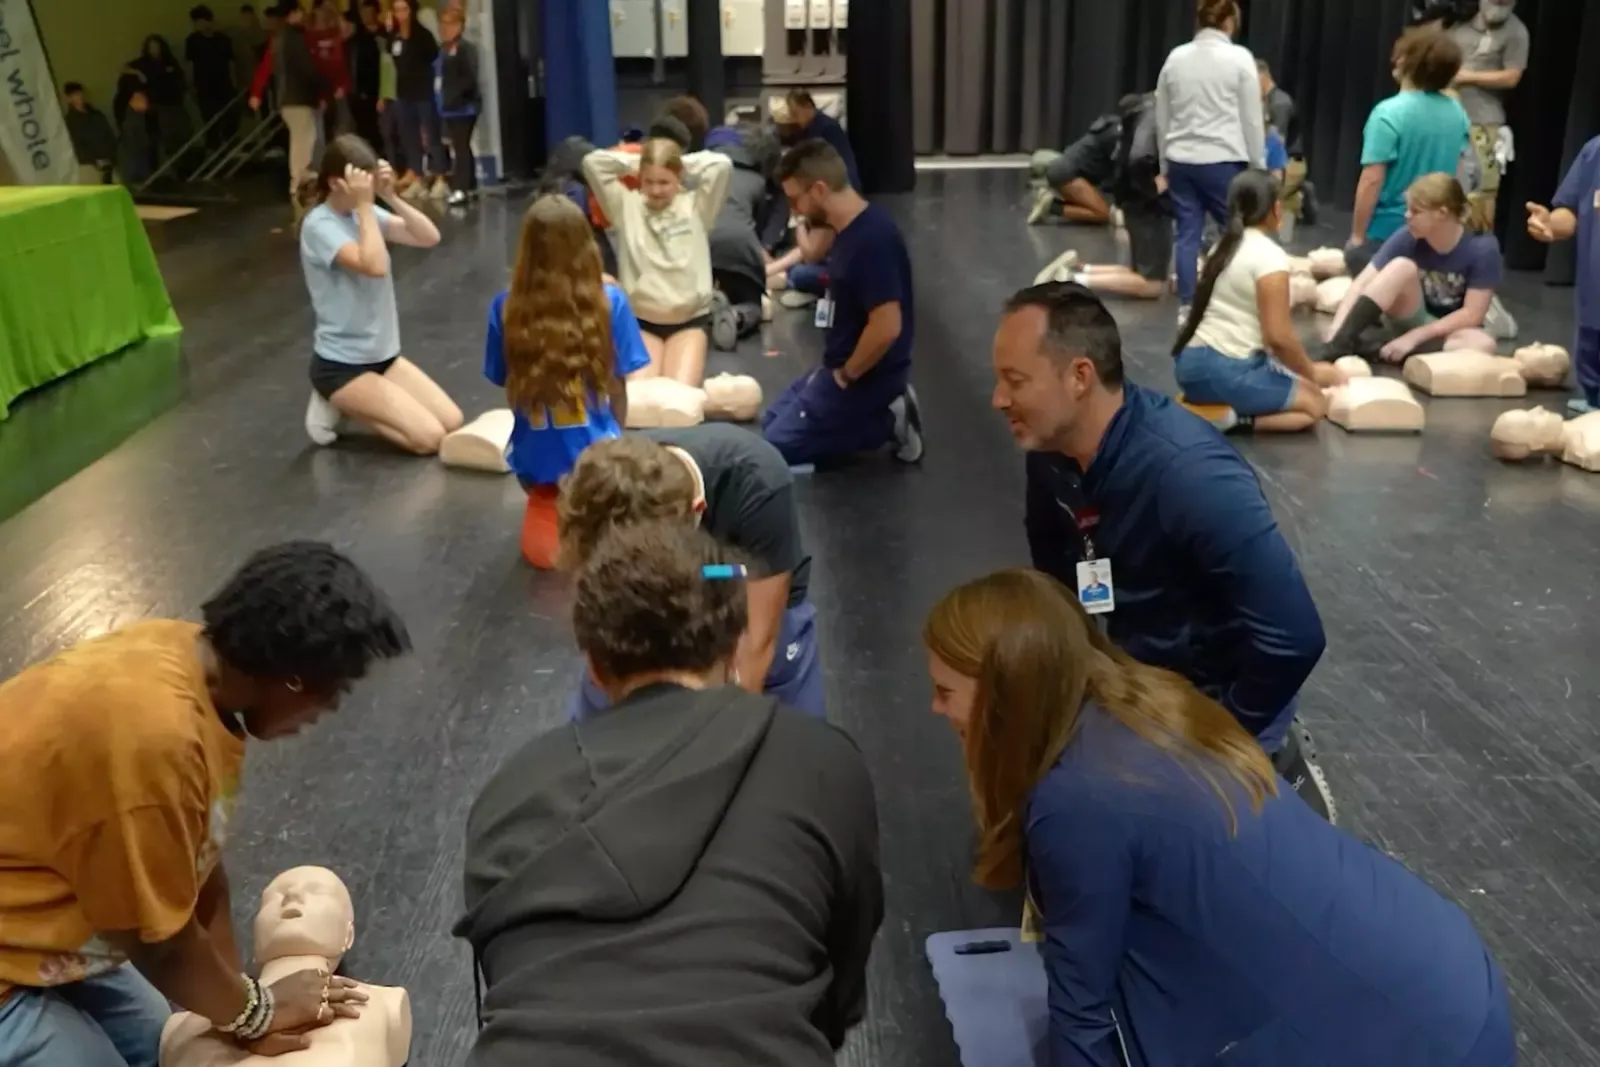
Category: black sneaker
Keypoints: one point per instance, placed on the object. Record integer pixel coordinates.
(724, 323)
(907, 426)
(1296, 763)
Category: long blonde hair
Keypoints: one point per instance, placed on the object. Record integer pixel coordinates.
(557, 317)
(1442, 192)
(1037, 657)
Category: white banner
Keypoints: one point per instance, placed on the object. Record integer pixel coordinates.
(33, 131)
(486, 136)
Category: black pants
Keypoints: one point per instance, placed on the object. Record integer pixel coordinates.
(211, 103)
(364, 112)
(464, 169)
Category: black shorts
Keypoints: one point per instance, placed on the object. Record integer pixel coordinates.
(329, 376)
(1149, 242)
(656, 329)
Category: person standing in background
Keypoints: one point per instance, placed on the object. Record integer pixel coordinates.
(458, 97)
(1494, 50)
(250, 37)
(1577, 214)
(1417, 131)
(364, 51)
(210, 56)
(94, 142)
(166, 88)
(326, 32)
(300, 88)
(1299, 197)
(1210, 128)
(414, 49)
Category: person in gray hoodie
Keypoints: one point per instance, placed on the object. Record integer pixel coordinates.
(687, 878)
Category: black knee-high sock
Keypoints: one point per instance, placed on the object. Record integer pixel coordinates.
(1364, 313)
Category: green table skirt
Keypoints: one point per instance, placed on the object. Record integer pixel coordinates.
(78, 281)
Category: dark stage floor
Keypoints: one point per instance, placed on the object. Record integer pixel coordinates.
(1454, 706)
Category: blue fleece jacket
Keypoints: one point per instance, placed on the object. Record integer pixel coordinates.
(1285, 943)
(1205, 584)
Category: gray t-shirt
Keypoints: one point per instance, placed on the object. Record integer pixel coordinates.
(1503, 47)
(750, 501)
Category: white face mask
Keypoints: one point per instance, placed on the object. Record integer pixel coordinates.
(1496, 12)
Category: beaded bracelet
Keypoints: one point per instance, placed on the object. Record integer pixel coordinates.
(261, 1025)
(252, 994)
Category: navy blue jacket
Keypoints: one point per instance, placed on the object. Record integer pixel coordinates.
(1205, 584)
(827, 128)
(1287, 944)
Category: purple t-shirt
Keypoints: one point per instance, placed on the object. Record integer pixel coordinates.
(1474, 263)
(1580, 194)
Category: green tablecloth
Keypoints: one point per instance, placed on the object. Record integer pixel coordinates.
(78, 281)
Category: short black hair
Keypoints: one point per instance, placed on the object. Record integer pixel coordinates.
(645, 604)
(815, 161)
(373, 4)
(72, 87)
(199, 12)
(247, 9)
(303, 610)
(1077, 325)
(671, 129)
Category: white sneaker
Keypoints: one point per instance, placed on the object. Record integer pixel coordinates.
(724, 323)
(1043, 201)
(907, 427)
(1059, 269)
(1183, 316)
(1500, 323)
(794, 298)
(458, 198)
(322, 420)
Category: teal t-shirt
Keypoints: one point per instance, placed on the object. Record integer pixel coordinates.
(1413, 133)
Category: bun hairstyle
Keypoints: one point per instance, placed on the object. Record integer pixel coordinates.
(346, 150)
(1442, 192)
(1251, 198)
(1215, 14)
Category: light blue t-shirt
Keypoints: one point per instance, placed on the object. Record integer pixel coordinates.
(357, 321)
(544, 448)
(1412, 133)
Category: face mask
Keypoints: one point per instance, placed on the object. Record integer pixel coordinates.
(1496, 12)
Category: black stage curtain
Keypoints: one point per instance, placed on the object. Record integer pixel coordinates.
(878, 93)
(1004, 76)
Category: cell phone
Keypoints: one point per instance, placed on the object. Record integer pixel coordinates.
(982, 948)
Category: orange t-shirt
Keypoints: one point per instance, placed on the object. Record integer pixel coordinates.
(118, 788)
(631, 181)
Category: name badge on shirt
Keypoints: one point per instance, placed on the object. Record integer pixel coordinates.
(1095, 590)
(824, 319)
(396, 47)
(1597, 199)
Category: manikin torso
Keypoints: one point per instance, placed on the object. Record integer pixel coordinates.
(1376, 405)
(1465, 373)
(306, 920)
(1520, 434)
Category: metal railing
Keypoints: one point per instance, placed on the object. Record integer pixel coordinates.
(225, 161)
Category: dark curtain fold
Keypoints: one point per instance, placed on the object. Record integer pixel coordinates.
(878, 94)
(1004, 76)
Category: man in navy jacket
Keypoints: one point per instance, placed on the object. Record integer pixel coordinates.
(1202, 582)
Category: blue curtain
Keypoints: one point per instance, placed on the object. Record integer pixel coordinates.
(580, 90)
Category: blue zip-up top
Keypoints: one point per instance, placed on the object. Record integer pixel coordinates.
(1205, 584)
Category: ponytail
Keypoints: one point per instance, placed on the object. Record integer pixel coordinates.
(1251, 198)
(346, 150)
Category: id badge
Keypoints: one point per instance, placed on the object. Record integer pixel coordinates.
(1597, 199)
(396, 47)
(824, 319)
(1096, 592)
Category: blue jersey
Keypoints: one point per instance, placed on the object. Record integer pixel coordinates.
(546, 444)
(1580, 194)
(1277, 154)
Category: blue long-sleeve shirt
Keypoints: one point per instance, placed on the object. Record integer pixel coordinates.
(1205, 584)
(1287, 944)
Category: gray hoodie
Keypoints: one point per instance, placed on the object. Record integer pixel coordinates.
(690, 878)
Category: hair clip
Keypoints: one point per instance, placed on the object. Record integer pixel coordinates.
(713, 572)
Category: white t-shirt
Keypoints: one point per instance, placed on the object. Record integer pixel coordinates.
(1232, 323)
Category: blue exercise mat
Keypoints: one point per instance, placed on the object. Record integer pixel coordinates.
(995, 1001)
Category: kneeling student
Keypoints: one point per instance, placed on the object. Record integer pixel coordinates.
(687, 878)
(736, 487)
(1239, 347)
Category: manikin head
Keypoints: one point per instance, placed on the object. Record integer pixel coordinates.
(1056, 353)
(815, 179)
(1437, 210)
(1518, 434)
(621, 482)
(1220, 15)
(72, 92)
(660, 173)
(659, 602)
(305, 912)
(1497, 12)
(1426, 58)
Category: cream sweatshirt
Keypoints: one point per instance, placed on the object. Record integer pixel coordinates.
(663, 257)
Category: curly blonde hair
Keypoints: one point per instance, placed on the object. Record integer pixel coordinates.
(557, 317)
(620, 482)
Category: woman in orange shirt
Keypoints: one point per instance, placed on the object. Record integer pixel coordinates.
(123, 757)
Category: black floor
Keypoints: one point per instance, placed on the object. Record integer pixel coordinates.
(1455, 705)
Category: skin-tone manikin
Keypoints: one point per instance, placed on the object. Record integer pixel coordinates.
(1374, 405)
(1466, 373)
(1520, 434)
(306, 921)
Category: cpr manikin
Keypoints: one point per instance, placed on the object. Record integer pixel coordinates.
(306, 921)
(661, 402)
(732, 397)
(1326, 263)
(481, 444)
(1520, 434)
(1302, 290)
(1364, 404)
(1543, 366)
(1331, 293)
(1466, 373)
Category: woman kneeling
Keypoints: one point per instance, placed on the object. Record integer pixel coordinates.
(1432, 284)
(1239, 348)
(1190, 901)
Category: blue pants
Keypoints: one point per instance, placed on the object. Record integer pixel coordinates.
(1197, 190)
(112, 1020)
(795, 676)
(1586, 362)
(1258, 385)
(417, 121)
(809, 278)
(815, 420)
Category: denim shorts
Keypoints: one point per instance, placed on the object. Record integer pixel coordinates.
(1255, 385)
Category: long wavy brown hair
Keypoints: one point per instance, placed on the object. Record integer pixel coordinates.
(1037, 658)
(557, 316)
